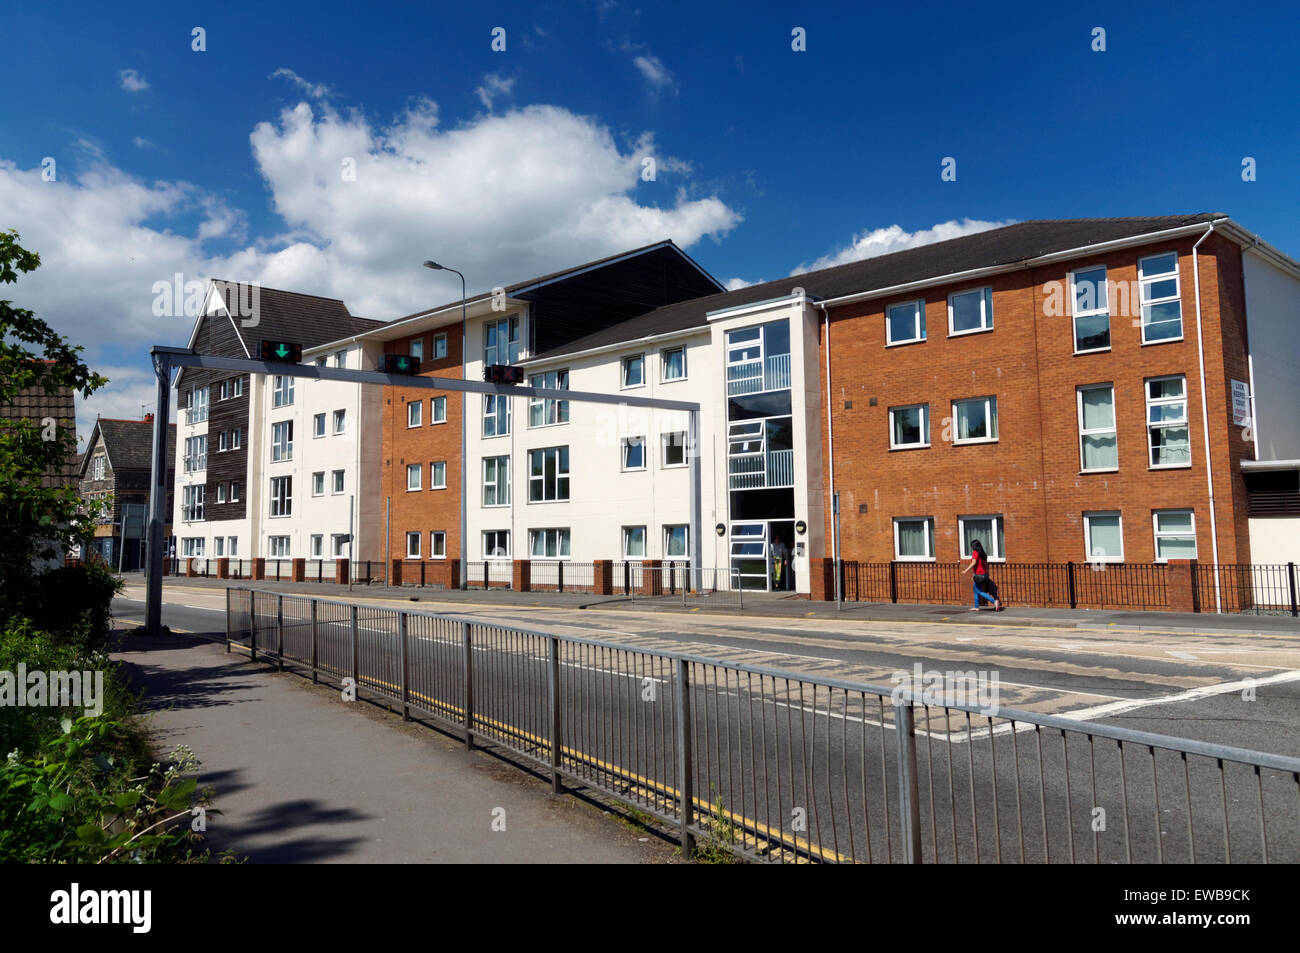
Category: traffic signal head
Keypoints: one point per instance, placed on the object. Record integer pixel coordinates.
(400, 364)
(283, 351)
(503, 374)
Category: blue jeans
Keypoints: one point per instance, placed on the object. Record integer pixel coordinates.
(979, 590)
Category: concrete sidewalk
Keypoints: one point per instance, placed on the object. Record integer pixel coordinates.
(303, 776)
(772, 605)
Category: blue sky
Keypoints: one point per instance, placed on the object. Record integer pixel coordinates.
(227, 162)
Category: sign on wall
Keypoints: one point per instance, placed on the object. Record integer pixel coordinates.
(1240, 404)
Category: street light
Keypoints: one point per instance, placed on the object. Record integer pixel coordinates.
(464, 418)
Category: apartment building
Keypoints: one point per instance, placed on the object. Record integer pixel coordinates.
(115, 468)
(1098, 390)
(249, 456)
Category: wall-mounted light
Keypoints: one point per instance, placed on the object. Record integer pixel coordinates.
(721, 529)
(801, 527)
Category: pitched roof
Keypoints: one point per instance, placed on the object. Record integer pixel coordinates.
(302, 318)
(129, 443)
(1008, 245)
(35, 404)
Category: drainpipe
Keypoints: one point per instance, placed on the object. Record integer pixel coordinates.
(1205, 418)
(830, 442)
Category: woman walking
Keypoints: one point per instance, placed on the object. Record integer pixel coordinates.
(979, 561)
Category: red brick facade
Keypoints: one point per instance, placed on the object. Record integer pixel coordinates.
(1031, 475)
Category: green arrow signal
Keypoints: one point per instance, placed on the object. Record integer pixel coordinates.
(281, 351)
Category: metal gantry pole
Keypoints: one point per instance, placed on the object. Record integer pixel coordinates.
(697, 543)
(157, 493)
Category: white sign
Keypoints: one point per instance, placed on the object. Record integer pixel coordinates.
(1240, 404)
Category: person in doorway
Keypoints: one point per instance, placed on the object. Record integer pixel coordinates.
(985, 588)
(780, 557)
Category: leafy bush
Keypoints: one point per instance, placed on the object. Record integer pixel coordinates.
(72, 603)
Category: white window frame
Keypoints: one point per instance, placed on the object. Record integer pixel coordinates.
(337, 542)
(341, 359)
(626, 444)
(626, 532)
(416, 470)
(439, 352)
(438, 410)
(222, 439)
(437, 541)
(1096, 431)
(281, 441)
(665, 439)
(501, 483)
(929, 539)
(986, 310)
(488, 554)
(236, 438)
(341, 421)
(925, 427)
(1157, 535)
(1152, 427)
(561, 533)
(192, 503)
(668, 535)
(283, 500)
(990, 415)
(514, 339)
(338, 482)
(434, 482)
(318, 480)
(234, 491)
(221, 493)
(1144, 281)
(413, 552)
(549, 408)
(622, 371)
(1076, 314)
(278, 547)
(414, 413)
(219, 548)
(281, 392)
(993, 547)
(318, 425)
(232, 544)
(317, 545)
(415, 349)
(559, 475)
(663, 364)
(1088, 517)
(496, 402)
(918, 323)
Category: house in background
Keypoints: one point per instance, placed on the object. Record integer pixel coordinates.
(116, 467)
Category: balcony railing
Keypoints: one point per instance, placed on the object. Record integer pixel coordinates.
(756, 472)
(756, 376)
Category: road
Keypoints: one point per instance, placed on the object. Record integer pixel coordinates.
(1185, 685)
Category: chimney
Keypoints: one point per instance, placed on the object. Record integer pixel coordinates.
(148, 418)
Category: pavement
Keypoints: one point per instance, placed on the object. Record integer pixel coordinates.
(789, 606)
(300, 775)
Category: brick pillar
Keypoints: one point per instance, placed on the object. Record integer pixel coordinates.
(652, 583)
(342, 568)
(223, 568)
(189, 567)
(397, 572)
(604, 577)
(821, 578)
(1180, 586)
(259, 568)
(521, 576)
(299, 572)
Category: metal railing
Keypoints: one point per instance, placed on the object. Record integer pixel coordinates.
(1261, 588)
(783, 767)
(560, 575)
(489, 574)
(773, 469)
(772, 373)
(673, 581)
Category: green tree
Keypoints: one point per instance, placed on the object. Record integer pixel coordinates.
(38, 521)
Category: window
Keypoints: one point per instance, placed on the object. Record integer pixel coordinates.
(437, 475)
(282, 392)
(223, 439)
(220, 546)
(282, 441)
(976, 420)
(237, 390)
(281, 496)
(496, 481)
(1097, 447)
(317, 545)
(414, 475)
(278, 546)
(225, 391)
(548, 475)
(416, 349)
(548, 543)
(439, 346)
(673, 363)
(196, 454)
(439, 407)
(1089, 299)
(236, 438)
(909, 427)
(412, 545)
(197, 410)
(634, 371)
(232, 544)
(543, 412)
(318, 483)
(318, 425)
(1162, 307)
(1170, 441)
(192, 503)
(320, 361)
(496, 415)
(1175, 532)
(677, 541)
(633, 541)
(337, 476)
(970, 311)
(97, 467)
(415, 413)
(340, 421)
(496, 544)
(674, 448)
(905, 323)
(337, 543)
(914, 538)
(234, 491)
(438, 538)
(221, 493)
(634, 453)
(501, 341)
(1103, 535)
(232, 387)
(340, 358)
(193, 545)
(988, 530)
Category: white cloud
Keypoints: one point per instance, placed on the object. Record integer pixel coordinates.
(314, 90)
(501, 198)
(882, 241)
(494, 86)
(655, 73)
(132, 81)
(140, 142)
(735, 284)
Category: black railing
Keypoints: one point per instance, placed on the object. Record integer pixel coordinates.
(1262, 588)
